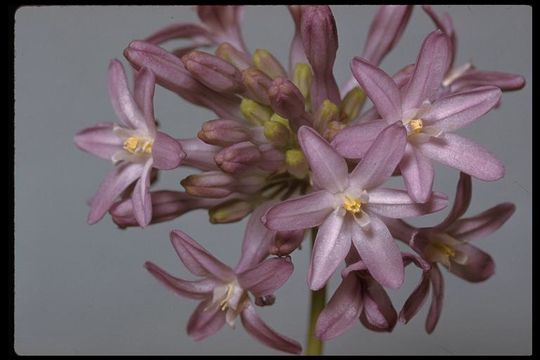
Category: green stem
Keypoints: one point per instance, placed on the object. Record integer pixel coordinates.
(318, 300)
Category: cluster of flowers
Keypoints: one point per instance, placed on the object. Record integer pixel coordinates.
(296, 152)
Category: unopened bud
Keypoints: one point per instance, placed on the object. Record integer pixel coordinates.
(303, 78)
(296, 163)
(238, 157)
(233, 56)
(352, 104)
(230, 211)
(272, 159)
(268, 64)
(257, 84)
(255, 113)
(223, 132)
(266, 300)
(211, 184)
(327, 112)
(277, 130)
(287, 101)
(214, 72)
(286, 242)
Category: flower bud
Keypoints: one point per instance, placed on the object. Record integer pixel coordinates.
(277, 131)
(266, 300)
(272, 159)
(214, 72)
(211, 184)
(296, 163)
(238, 157)
(352, 104)
(255, 113)
(303, 78)
(230, 211)
(268, 64)
(257, 84)
(287, 101)
(233, 56)
(223, 132)
(286, 242)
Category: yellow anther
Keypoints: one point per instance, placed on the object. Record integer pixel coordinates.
(415, 126)
(302, 78)
(277, 130)
(328, 112)
(352, 104)
(352, 205)
(131, 144)
(268, 64)
(137, 145)
(255, 113)
(445, 249)
(224, 304)
(147, 147)
(296, 163)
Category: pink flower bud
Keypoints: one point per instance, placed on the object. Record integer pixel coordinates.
(238, 157)
(223, 132)
(257, 84)
(287, 101)
(212, 184)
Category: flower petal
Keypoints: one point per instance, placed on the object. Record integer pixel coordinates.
(145, 83)
(328, 167)
(191, 289)
(378, 313)
(415, 300)
(179, 31)
(124, 105)
(197, 259)
(354, 141)
(431, 65)
(262, 332)
(142, 202)
(464, 155)
(417, 174)
(379, 252)
(112, 186)
(479, 265)
(461, 201)
(395, 203)
(342, 310)
(437, 289)
(99, 140)
(167, 152)
(400, 229)
(379, 87)
(460, 109)
(257, 239)
(266, 277)
(381, 159)
(482, 224)
(205, 321)
(301, 212)
(474, 77)
(332, 244)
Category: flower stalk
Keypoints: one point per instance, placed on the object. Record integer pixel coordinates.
(315, 345)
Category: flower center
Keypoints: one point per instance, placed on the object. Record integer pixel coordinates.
(443, 249)
(230, 298)
(353, 206)
(138, 145)
(414, 126)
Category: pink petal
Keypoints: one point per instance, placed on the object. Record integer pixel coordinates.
(378, 313)
(332, 244)
(478, 267)
(415, 300)
(205, 321)
(296, 52)
(145, 83)
(301, 212)
(400, 229)
(167, 153)
(191, 289)
(395, 203)
(379, 87)
(437, 289)
(381, 159)
(257, 239)
(112, 186)
(124, 105)
(385, 31)
(482, 224)
(142, 202)
(379, 252)
(268, 276)
(342, 311)
(430, 68)
(197, 259)
(328, 167)
(179, 31)
(445, 24)
(504, 81)
(417, 173)
(262, 332)
(99, 140)
(460, 109)
(461, 201)
(464, 155)
(354, 141)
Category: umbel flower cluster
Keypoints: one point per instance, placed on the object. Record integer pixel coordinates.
(294, 151)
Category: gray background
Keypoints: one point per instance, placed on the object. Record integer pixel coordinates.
(82, 289)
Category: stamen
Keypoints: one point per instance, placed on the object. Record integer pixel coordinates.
(353, 206)
(138, 145)
(415, 126)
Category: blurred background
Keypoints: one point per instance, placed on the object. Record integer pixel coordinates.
(82, 289)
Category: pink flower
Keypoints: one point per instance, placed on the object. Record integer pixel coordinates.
(346, 207)
(135, 145)
(225, 293)
(448, 244)
(429, 120)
